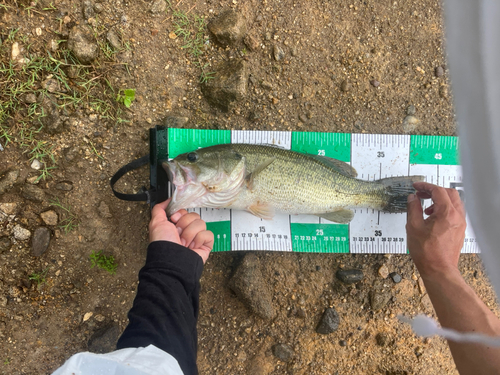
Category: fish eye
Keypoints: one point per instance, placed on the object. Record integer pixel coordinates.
(192, 156)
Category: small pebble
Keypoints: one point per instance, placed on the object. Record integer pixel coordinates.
(438, 71)
(410, 123)
(36, 164)
(382, 339)
(396, 277)
(383, 271)
(20, 233)
(345, 86)
(374, 83)
(411, 110)
(443, 91)
(41, 241)
(278, 52)
(303, 118)
(87, 316)
(283, 352)
(350, 276)
(343, 343)
(421, 286)
(64, 186)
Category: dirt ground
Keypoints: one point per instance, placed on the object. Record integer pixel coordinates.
(342, 66)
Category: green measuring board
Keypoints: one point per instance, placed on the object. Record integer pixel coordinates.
(374, 156)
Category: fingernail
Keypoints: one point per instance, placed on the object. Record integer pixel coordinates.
(183, 242)
(411, 198)
(175, 217)
(179, 230)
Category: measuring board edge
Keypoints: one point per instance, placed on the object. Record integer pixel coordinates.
(443, 150)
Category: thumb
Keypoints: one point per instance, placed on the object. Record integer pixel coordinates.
(415, 216)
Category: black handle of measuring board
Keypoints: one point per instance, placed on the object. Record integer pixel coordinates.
(158, 178)
(142, 196)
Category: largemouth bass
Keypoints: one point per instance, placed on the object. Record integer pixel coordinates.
(266, 180)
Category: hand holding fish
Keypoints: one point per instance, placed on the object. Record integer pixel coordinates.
(435, 243)
(186, 229)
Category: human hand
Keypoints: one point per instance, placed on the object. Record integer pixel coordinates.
(186, 229)
(435, 243)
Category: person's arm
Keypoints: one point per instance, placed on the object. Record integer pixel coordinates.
(434, 245)
(165, 310)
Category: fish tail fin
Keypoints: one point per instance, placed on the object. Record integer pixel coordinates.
(397, 190)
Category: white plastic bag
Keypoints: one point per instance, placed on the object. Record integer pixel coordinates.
(130, 361)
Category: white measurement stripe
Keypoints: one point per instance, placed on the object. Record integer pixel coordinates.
(277, 138)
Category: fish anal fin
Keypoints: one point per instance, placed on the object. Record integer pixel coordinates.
(257, 170)
(342, 216)
(262, 210)
(339, 166)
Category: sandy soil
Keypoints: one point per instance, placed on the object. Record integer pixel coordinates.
(347, 67)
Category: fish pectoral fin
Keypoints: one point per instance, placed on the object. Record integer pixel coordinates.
(342, 216)
(339, 166)
(250, 178)
(262, 210)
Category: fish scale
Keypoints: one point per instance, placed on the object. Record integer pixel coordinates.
(297, 183)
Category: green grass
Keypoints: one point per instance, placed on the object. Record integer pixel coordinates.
(127, 97)
(39, 277)
(104, 262)
(193, 30)
(81, 86)
(68, 220)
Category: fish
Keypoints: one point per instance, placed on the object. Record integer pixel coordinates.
(267, 180)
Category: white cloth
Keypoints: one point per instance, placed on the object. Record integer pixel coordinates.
(129, 361)
(473, 47)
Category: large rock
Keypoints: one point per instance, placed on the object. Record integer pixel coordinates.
(379, 299)
(64, 186)
(7, 180)
(41, 241)
(5, 244)
(114, 39)
(83, 44)
(49, 217)
(248, 284)
(33, 193)
(51, 121)
(104, 340)
(88, 9)
(228, 28)
(9, 208)
(158, 6)
(283, 352)
(228, 85)
(350, 276)
(329, 321)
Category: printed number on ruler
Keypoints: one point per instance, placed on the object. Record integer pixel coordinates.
(376, 156)
(250, 232)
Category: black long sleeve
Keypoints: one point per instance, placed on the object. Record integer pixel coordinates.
(165, 309)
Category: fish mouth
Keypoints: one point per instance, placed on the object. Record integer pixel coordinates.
(185, 189)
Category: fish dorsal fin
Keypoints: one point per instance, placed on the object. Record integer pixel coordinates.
(257, 170)
(341, 216)
(262, 210)
(339, 166)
